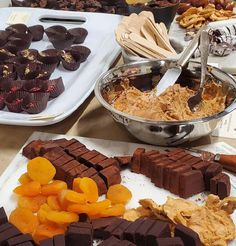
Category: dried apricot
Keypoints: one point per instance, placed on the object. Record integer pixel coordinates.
(40, 169)
(42, 213)
(116, 210)
(47, 230)
(24, 220)
(118, 193)
(62, 217)
(53, 203)
(31, 203)
(32, 188)
(53, 188)
(89, 187)
(24, 178)
(76, 183)
(75, 197)
(79, 208)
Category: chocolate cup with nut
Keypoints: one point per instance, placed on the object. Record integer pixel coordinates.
(14, 101)
(11, 48)
(35, 103)
(5, 55)
(61, 42)
(37, 32)
(19, 28)
(2, 100)
(4, 37)
(30, 54)
(34, 86)
(19, 44)
(70, 61)
(8, 72)
(13, 85)
(79, 34)
(55, 30)
(55, 87)
(49, 56)
(21, 36)
(83, 51)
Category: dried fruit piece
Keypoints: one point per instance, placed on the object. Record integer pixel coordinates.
(116, 210)
(42, 213)
(62, 217)
(40, 169)
(79, 208)
(76, 186)
(53, 203)
(47, 230)
(73, 196)
(24, 178)
(24, 220)
(119, 194)
(32, 188)
(53, 188)
(31, 203)
(89, 187)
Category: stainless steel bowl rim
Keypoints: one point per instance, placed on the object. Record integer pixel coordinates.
(109, 107)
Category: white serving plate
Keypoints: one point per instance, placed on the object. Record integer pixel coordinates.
(226, 63)
(140, 186)
(78, 84)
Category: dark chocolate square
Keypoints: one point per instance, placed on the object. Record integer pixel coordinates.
(109, 229)
(77, 153)
(59, 240)
(89, 172)
(224, 186)
(54, 154)
(129, 233)
(106, 163)
(102, 188)
(46, 242)
(3, 216)
(111, 175)
(119, 231)
(174, 241)
(88, 156)
(65, 143)
(74, 146)
(145, 160)
(5, 226)
(136, 160)
(212, 171)
(19, 239)
(79, 236)
(7, 234)
(97, 159)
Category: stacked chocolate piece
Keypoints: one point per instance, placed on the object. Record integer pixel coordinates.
(58, 240)
(10, 235)
(25, 73)
(104, 6)
(181, 173)
(72, 159)
(143, 231)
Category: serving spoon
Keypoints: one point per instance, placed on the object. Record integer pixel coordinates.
(194, 101)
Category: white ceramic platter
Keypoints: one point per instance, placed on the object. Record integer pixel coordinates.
(226, 63)
(140, 186)
(78, 84)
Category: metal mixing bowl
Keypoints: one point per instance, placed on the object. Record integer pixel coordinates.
(165, 133)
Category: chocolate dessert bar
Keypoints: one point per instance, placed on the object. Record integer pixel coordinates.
(54, 154)
(100, 224)
(146, 159)
(8, 233)
(106, 163)
(214, 183)
(220, 185)
(188, 236)
(59, 240)
(201, 166)
(89, 172)
(109, 229)
(111, 175)
(129, 233)
(88, 156)
(158, 229)
(136, 160)
(174, 241)
(46, 242)
(191, 183)
(211, 171)
(63, 169)
(64, 143)
(102, 188)
(119, 231)
(74, 146)
(77, 153)
(123, 161)
(26, 244)
(3, 216)
(47, 147)
(19, 239)
(97, 159)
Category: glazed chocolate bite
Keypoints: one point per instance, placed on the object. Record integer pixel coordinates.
(136, 160)
(211, 171)
(23, 238)
(100, 224)
(174, 241)
(79, 34)
(46, 242)
(3, 216)
(8, 233)
(83, 51)
(111, 175)
(158, 229)
(106, 163)
(37, 32)
(191, 183)
(188, 236)
(102, 188)
(59, 240)
(129, 233)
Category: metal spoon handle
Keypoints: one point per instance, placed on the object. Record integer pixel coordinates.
(204, 46)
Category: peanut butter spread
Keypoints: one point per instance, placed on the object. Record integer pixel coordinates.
(169, 106)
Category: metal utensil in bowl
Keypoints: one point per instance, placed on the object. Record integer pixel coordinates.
(194, 101)
(165, 133)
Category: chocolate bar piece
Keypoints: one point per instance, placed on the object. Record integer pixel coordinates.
(28, 150)
(62, 170)
(186, 158)
(54, 154)
(111, 175)
(59, 240)
(58, 163)
(174, 178)
(46, 242)
(129, 233)
(3, 216)
(5, 226)
(19, 239)
(84, 218)
(109, 229)
(223, 186)
(178, 156)
(26, 244)
(7, 234)
(100, 224)
(111, 241)
(64, 143)
(194, 160)
(140, 233)
(136, 160)
(188, 236)
(123, 160)
(212, 171)
(97, 159)
(174, 241)
(201, 166)
(88, 156)
(145, 160)
(191, 183)
(174, 152)
(102, 188)
(119, 231)
(77, 153)
(74, 146)
(106, 163)
(89, 172)
(158, 229)
(47, 147)
(214, 184)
